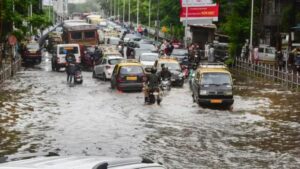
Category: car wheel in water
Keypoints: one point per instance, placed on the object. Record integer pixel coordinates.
(104, 77)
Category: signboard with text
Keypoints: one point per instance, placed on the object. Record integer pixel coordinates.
(200, 12)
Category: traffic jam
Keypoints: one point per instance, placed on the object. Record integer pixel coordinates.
(99, 87)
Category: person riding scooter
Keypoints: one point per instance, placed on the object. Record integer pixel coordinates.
(151, 84)
(164, 74)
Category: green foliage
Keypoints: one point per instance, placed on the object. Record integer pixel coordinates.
(168, 13)
(19, 16)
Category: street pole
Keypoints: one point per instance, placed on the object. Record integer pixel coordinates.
(118, 6)
(30, 17)
(137, 12)
(251, 31)
(149, 13)
(186, 24)
(157, 20)
(124, 11)
(129, 12)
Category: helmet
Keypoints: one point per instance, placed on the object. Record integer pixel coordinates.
(153, 70)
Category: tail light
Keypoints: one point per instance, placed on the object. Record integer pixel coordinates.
(107, 67)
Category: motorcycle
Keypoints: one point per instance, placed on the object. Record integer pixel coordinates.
(78, 77)
(165, 84)
(185, 71)
(154, 96)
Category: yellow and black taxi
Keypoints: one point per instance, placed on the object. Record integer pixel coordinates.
(174, 67)
(128, 76)
(212, 85)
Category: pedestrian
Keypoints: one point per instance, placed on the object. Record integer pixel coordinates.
(211, 57)
(146, 32)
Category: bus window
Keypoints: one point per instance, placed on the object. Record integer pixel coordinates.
(89, 35)
(76, 35)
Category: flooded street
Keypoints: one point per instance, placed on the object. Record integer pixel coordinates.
(39, 112)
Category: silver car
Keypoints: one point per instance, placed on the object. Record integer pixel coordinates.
(86, 162)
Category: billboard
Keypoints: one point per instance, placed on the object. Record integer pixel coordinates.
(201, 11)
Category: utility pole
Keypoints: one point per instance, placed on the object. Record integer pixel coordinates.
(149, 13)
(251, 31)
(137, 12)
(186, 24)
(30, 9)
(124, 11)
(129, 12)
(157, 20)
(118, 6)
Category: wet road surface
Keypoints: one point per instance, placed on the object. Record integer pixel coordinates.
(39, 112)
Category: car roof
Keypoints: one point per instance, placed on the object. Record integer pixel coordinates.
(113, 57)
(148, 53)
(78, 162)
(213, 68)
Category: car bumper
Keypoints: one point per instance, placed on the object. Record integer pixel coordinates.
(177, 81)
(130, 86)
(217, 102)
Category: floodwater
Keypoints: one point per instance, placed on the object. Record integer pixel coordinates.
(39, 112)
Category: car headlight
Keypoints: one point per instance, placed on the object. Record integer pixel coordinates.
(228, 93)
(203, 92)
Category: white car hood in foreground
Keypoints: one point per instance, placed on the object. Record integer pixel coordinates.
(76, 163)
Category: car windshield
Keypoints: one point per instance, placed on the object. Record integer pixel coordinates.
(172, 65)
(149, 57)
(215, 79)
(131, 70)
(32, 46)
(114, 61)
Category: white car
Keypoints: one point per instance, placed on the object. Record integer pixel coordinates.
(266, 53)
(148, 59)
(87, 162)
(106, 66)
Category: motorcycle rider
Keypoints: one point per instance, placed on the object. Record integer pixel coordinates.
(71, 66)
(164, 73)
(151, 84)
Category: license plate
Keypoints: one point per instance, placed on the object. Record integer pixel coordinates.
(216, 101)
(131, 78)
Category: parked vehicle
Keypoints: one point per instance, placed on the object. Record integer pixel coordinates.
(128, 76)
(59, 55)
(32, 53)
(80, 162)
(212, 86)
(266, 53)
(106, 66)
(174, 67)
